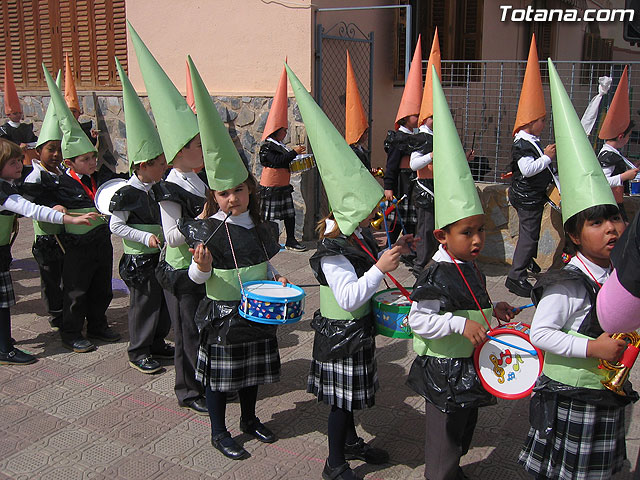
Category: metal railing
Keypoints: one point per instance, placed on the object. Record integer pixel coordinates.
(483, 97)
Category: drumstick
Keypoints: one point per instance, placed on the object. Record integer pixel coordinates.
(59, 244)
(519, 309)
(532, 352)
(217, 228)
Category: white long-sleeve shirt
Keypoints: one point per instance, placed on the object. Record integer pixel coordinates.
(17, 204)
(614, 180)
(118, 222)
(564, 306)
(243, 220)
(171, 212)
(419, 160)
(425, 318)
(530, 166)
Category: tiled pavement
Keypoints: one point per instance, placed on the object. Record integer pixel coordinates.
(92, 416)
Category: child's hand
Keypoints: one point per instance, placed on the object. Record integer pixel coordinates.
(282, 279)
(389, 260)
(550, 151)
(474, 332)
(388, 194)
(504, 312)
(202, 257)
(81, 219)
(629, 174)
(154, 242)
(407, 243)
(470, 154)
(299, 149)
(60, 208)
(606, 348)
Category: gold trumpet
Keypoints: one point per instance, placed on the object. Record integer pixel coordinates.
(619, 372)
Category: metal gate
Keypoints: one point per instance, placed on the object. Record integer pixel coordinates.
(331, 69)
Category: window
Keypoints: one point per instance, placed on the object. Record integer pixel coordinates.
(92, 32)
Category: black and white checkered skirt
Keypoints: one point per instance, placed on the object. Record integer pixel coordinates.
(406, 207)
(586, 443)
(7, 297)
(349, 383)
(277, 203)
(229, 368)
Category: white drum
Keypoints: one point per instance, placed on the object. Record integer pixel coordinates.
(105, 193)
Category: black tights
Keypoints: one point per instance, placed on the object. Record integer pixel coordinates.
(217, 406)
(290, 228)
(342, 430)
(5, 330)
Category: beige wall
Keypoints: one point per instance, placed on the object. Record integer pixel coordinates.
(238, 47)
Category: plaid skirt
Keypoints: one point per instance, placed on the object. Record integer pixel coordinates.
(228, 368)
(277, 203)
(349, 383)
(406, 207)
(586, 443)
(7, 297)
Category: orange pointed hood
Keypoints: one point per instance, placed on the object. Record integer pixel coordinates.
(426, 108)
(11, 100)
(412, 95)
(531, 105)
(278, 114)
(70, 94)
(355, 118)
(618, 116)
(191, 100)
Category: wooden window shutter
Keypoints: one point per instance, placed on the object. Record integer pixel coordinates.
(471, 30)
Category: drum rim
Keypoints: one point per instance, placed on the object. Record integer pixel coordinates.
(103, 187)
(476, 355)
(266, 298)
(270, 321)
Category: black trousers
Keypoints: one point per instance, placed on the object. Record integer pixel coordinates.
(428, 243)
(86, 280)
(182, 310)
(448, 437)
(527, 246)
(149, 320)
(50, 260)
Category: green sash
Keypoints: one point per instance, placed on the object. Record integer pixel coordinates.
(329, 307)
(83, 229)
(454, 345)
(223, 284)
(46, 228)
(178, 257)
(6, 226)
(137, 248)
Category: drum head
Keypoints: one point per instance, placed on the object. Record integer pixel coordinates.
(392, 298)
(505, 371)
(105, 193)
(268, 290)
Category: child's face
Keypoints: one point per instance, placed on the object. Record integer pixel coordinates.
(465, 238)
(190, 157)
(51, 155)
(598, 237)
(12, 169)
(15, 117)
(538, 126)
(153, 172)
(85, 164)
(234, 200)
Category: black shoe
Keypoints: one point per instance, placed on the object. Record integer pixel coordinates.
(363, 451)
(520, 287)
(534, 267)
(79, 345)
(166, 351)
(258, 430)
(107, 334)
(197, 406)
(295, 246)
(228, 446)
(146, 365)
(17, 357)
(342, 472)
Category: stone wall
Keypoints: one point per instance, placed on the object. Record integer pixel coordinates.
(245, 118)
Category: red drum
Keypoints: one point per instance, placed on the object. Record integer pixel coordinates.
(507, 362)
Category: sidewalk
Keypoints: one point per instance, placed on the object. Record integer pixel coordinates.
(92, 416)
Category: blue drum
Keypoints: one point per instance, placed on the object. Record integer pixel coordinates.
(270, 302)
(390, 310)
(634, 187)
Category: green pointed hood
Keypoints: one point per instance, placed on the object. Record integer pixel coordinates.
(582, 182)
(176, 123)
(74, 141)
(222, 161)
(352, 191)
(143, 141)
(50, 129)
(456, 196)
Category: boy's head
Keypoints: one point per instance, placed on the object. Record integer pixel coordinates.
(151, 170)
(279, 135)
(85, 164)
(15, 116)
(190, 156)
(622, 138)
(410, 122)
(9, 151)
(463, 239)
(50, 154)
(536, 127)
(594, 232)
